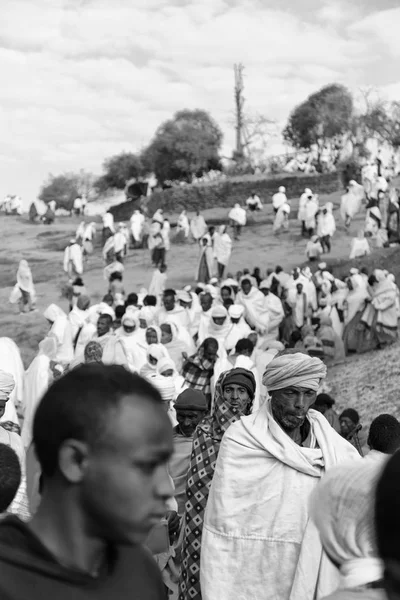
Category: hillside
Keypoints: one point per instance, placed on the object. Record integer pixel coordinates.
(370, 383)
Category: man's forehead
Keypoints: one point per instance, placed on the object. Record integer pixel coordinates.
(296, 388)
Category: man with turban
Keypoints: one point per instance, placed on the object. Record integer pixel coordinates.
(258, 540)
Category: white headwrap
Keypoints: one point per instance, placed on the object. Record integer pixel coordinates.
(7, 384)
(342, 508)
(294, 370)
(165, 385)
(52, 312)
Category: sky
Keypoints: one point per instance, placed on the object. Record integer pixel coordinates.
(85, 79)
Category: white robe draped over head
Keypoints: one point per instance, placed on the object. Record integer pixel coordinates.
(258, 540)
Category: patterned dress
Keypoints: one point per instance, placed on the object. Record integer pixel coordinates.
(206, 444)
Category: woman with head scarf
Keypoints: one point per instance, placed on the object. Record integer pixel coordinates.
(172, 339)
(11, 362)
(155, 353)
(217, 327)
(234, 395)
(222, 249)
(61, 331)
(332, 343)
(130, 335)
(166, 368)
(380, 315)
(37, 379)
(342, 508)
(11, 438)
(26, 287)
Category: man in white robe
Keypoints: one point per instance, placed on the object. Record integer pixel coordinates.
(238, 219)
(173, 311)
(301, 215)
(253, 202)
(198, 227)
(351, 202)
(279, 199)
(137, 222)
(73, 260)
(258, 540)
(275, 309)
(239, 329)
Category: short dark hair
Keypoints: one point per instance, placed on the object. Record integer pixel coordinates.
(108, 298)
(150, 300)
(244, 345)
(324, 400)
(210, 342)
(384, 434)
(169, 292)
(119, 311)
(79, 406)
(387, 515)
(106, 316)
(10, 476)
(132, 299)
(116, 275)
(352, 414)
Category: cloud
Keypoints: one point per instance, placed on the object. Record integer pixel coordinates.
(89, 78)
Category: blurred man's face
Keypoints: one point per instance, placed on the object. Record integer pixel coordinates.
(125, 484)
(169, 302)
(206, 302)
(188, 420)
(103, 325)
(211, 352)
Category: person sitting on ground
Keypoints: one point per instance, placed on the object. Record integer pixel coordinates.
(324, 404)
(105, 484)
(352, 431)
(10, 477)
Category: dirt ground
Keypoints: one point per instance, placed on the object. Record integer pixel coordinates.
(368, 382)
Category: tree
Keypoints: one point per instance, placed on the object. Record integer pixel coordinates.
(118, 170)
(184, 146)
(321, 120)
(376, 118)
(61, 188)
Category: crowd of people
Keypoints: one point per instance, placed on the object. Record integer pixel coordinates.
(197, 422)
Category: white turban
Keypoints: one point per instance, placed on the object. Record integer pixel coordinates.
(342, 508)
(236, 311)
(52, 312)
(294, 370)
(7, 384)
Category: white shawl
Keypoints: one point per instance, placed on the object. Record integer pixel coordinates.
(258, 541)
(256, 310)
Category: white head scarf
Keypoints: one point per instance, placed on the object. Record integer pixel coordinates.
(7, 384)
(52, 312)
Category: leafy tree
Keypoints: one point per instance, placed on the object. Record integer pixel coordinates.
(186, 145)
(61, 188)
(118, 170)
(321, 119)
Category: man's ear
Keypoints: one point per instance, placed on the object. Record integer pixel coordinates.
(73, 459)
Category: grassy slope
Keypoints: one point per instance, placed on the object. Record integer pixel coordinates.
(369, 382)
